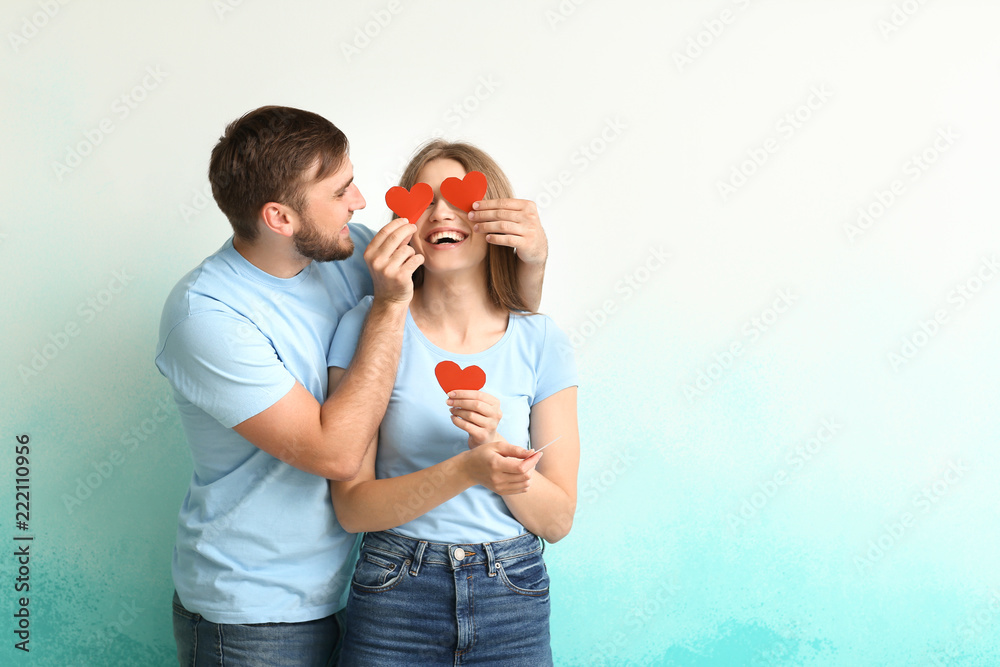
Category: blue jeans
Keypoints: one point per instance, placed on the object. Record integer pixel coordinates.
(203, 643)
(414, 602)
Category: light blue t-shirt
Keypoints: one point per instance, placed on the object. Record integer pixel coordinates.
(532, 361)
(257, 539)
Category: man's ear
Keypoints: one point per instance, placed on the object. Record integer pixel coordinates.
(279, 218)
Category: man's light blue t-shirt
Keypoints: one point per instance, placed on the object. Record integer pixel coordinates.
(257, 539)
(532, 361)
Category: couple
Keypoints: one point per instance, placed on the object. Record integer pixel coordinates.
(306, 350)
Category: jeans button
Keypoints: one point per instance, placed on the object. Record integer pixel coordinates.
(459, 553)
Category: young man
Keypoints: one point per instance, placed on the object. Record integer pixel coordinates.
(260, 564)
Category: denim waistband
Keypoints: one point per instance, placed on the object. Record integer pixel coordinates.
(454, 555)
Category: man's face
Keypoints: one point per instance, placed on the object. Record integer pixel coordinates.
(323, 234)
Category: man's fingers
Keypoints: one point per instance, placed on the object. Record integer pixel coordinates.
(399, 236)
(509, 240)
(506, 203)
(382, 234)
(390, 237)
(501, 227)
(401, 254)
(411, 264)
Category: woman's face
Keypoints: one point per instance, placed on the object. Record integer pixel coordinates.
(444, 234)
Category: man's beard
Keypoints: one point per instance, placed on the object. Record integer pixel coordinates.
(312, 244)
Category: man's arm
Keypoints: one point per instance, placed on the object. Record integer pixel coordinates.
(330, 439)
(515, 223)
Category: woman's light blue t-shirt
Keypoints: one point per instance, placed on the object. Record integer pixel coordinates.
(532, 361)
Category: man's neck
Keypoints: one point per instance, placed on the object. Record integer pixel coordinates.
(269, 258)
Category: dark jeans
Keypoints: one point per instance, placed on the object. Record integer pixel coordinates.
(414, 602)
(201, 643)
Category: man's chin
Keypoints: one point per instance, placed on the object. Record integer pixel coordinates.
(336, 253)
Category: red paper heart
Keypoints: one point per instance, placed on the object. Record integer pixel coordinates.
(451, 376)
(462, 193)
(409, 204)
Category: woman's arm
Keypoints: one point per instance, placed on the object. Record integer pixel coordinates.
(548, 507)
(366, 504)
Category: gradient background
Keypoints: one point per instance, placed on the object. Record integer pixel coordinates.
(816, 502)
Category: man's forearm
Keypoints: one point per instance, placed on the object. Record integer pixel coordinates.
(529, 278)
(354, 408)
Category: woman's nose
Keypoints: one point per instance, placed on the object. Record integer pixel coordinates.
(440, 210)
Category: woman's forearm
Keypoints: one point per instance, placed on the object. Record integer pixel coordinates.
(369, 505)
(381, 504)
(545, 510)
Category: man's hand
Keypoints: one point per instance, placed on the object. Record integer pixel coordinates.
(501, 467)
(392, 262)
(477, 413)
(512, 222)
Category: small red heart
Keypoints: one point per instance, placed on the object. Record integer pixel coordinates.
(409, 204)
(462, 193)
(451, 376)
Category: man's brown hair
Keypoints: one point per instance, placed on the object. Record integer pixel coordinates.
(272, 154)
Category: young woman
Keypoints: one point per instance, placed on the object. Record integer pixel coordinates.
(452, 499)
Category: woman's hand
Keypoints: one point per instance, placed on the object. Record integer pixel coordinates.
(501, 467)
(477, 413)
(512, 222)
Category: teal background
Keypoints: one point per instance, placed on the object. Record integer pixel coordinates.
(703, 535)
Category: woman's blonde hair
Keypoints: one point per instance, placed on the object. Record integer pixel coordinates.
(501, 262)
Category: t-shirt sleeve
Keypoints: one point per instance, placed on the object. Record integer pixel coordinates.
(345, 339)
(362, 237)
(224, 365)
(556, 363)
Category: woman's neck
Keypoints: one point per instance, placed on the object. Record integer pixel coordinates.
(455, 313)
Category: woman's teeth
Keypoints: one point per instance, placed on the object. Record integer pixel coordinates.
(446, 237)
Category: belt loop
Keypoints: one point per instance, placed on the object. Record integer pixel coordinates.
(418, 558)
(542, 540)
(491, 568)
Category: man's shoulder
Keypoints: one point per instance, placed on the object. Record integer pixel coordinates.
(202, 287)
